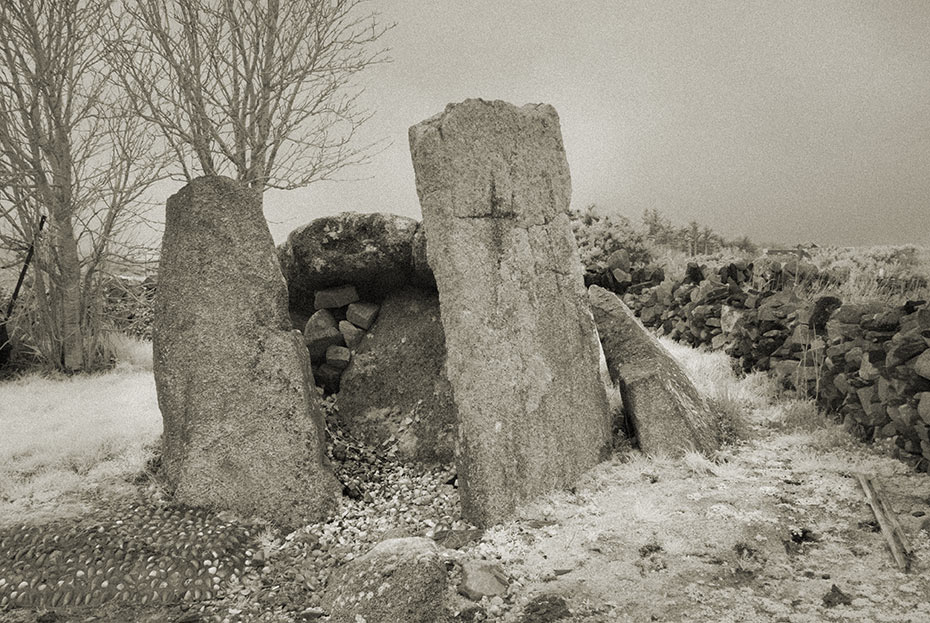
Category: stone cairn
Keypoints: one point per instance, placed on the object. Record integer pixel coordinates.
(336, 328)
(338, 268)
(243, 427)
(522, 353)
(388, 377)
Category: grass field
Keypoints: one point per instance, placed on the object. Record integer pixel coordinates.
(69, 439)
(640, 538)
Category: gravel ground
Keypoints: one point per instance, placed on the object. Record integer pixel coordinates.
(144, 559)
(775, 529)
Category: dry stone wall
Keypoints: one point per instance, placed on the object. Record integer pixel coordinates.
(867, 362)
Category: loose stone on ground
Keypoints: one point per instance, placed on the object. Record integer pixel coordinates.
(137, 554)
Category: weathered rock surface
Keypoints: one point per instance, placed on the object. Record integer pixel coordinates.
(373, 252)
(668, 414)
(338, 356)
(545, 608)
(494, 189)
(422, 273)
(482, 579)
(331, 298)
(362, 315)
(922, 364)
(243, 426)
(397, 374)
(398, 581)
(350, 333)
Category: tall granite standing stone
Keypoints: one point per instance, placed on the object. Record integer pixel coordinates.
(522, 355)
(243, 427)
(668, 414)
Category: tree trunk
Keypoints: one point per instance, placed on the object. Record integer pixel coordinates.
(69, 269)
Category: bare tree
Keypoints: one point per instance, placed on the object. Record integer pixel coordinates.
(261, 90)
(66, 149)
(708, 240)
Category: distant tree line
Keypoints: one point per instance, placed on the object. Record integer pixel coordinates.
(601, 233)
(693, 238)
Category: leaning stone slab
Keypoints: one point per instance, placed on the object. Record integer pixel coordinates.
(522, 359)
(243, 427)
(395, 386)
(668, 414)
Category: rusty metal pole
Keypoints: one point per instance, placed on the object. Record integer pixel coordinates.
(4, 334)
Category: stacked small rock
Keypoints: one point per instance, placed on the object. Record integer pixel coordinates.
(336, 327)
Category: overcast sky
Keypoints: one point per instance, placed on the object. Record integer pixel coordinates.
(789, 121)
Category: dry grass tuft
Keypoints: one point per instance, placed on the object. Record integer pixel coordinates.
(731, 398)
(698, 464)
(67, 436)
(130, 353)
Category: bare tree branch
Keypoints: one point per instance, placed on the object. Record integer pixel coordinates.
(261, 90)
(71, 150)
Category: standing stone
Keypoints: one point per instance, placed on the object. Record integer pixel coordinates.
(522, 358)
(243, 428)
(668, 414)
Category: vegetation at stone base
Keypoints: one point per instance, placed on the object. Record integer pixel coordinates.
(761, 531)
(65, 437)
(728, 397)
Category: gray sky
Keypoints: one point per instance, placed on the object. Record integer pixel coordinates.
(788, 121)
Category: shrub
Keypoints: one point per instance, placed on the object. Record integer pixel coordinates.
(599, 235)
